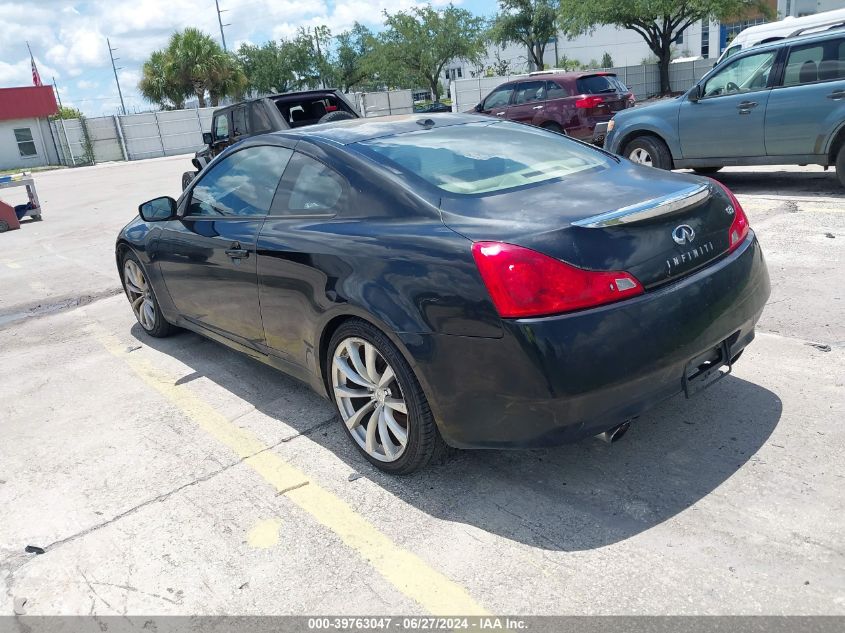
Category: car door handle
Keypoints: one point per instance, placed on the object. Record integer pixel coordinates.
(539, 107)
(500, 114)
(236, 252)
(836, 95)
(744, 107)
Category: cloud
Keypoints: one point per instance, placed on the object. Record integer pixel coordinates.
(68, 39)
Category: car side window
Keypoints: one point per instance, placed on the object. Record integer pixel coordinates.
(555, 91)
(240, 126)
(499, 98)
(823, 61)
(530, 92)
(242, 184)
(743, 75)
(221, 126)
(309, 187)
(259, 119)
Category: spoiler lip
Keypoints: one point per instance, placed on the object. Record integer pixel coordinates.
(648, 209)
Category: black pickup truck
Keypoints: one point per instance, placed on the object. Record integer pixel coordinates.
(233, 123)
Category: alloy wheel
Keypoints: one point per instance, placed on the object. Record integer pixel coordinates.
(641, 157)
(370, 399)
(140, 295)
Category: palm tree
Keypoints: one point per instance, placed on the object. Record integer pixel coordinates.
(158, 85)
(194, 58)
(228, 78)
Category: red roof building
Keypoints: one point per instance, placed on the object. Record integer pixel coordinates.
(27, 102)
(25, 136)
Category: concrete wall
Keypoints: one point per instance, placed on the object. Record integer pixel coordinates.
(10, 157)
(167, 133)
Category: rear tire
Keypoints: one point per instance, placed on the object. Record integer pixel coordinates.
(840, 165)
(706, 171)
(4, 226)
(422, 440)
(337, 115)
(650, 151)
(553, 127)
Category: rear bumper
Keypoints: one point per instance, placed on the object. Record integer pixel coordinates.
(559, 379)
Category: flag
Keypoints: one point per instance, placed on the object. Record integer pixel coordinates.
(36, 78)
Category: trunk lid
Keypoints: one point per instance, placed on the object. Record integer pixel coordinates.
(658, 226)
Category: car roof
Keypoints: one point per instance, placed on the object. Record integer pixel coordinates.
(283, 95)
(790, 41)
(355, 130)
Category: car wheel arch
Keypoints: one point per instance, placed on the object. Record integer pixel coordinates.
(838, 140)
(331, 326)
(634, 135)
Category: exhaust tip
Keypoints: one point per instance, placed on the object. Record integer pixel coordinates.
(616, 433)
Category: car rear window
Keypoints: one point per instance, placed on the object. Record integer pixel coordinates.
(598, 84)
(479, 158)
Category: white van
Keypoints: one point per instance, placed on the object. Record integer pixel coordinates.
(788, 27)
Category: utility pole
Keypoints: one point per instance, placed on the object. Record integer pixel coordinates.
(220, 22)
(111, 51)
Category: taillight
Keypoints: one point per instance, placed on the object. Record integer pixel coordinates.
(739, 227)
(525, 283)
(589, 102)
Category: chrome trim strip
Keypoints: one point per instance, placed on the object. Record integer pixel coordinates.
(648, 209)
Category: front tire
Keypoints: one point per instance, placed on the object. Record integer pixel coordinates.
(142, 298)
(188, 178)
(379, 399)
(840, 165)
(649, 151)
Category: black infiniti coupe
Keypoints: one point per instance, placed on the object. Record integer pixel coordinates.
(480, 283)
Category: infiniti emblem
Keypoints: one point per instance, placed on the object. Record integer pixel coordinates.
(683, 234)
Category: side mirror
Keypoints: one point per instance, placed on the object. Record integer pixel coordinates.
(479, 107)
(158, 209)
(207, 138)
(694, 94)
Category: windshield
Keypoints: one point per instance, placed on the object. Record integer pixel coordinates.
(479, 158)
(598, 84)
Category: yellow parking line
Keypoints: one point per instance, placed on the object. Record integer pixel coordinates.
(407, 572)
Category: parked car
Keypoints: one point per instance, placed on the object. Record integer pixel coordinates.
(268, 114)
(779, 103)
(433, 107)
(572, 103)
(451, 279)
(788, 27)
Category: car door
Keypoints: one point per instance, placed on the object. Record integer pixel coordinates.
(809, 104)
(528, 102)
(497, 102)
(292, 258)
(207, 256)
(728, 119)
(240, 123)
(221, 127)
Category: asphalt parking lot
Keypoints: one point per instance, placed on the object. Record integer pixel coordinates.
(175, 476)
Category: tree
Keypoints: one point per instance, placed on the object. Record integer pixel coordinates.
(269, 67)
(416, 45)
(606, 60)
(658, 22)
(194, 57)
(191, 64)
(531, 23)
(66, 112)
(158, 85)
(351, 66)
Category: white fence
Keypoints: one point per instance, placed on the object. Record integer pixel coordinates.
(643, 81)
(167, 133)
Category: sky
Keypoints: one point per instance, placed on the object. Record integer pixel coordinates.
(68, 38)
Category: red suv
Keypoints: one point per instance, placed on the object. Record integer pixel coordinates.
(573, 103)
